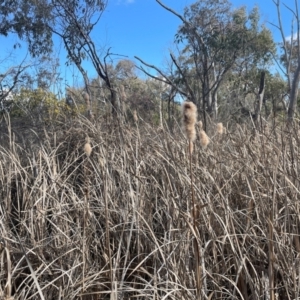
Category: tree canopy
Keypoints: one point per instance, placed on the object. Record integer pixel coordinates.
(219, 46)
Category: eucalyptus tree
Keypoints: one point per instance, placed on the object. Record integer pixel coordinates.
(72, 20)
(290, 56)
(218, 39)
(28, 19)
(215, 39)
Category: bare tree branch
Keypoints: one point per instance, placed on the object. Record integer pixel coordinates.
(191, 92)
(166, 79)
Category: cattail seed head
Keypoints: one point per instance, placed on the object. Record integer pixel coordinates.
(220, 128)
(87, 149)
(135, 117)
(204, 140)
(200, 124)
(189, 112)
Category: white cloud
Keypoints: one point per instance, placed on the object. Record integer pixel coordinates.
(288, 38)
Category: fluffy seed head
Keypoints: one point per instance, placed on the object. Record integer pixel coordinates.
(189, 114)
(220, 128)
(135, 117)
(204, 140)
(87, 149)
(200, 124)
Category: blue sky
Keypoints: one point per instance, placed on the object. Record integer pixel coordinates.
(143, 28)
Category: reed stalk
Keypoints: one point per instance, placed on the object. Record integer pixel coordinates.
(189, 122)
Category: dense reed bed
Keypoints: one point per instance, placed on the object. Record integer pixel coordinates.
(91, 211)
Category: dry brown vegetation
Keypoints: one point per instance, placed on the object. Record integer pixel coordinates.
(117, 224)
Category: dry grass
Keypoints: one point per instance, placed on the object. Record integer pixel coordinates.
(116, 224)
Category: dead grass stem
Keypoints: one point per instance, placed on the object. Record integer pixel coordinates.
(126, 206)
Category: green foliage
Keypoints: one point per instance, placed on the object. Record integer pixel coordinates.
(37, 103)
(36, 21)
(135, 93)
(293, 49)
(219, 40)
(30, 20)
(225, 36)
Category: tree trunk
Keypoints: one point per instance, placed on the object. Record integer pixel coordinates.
(294, 93)
(160, 111)
(115, 102)
(204, 107)
(214, 105)
(214, 108)
(260, 98)
(89, 103)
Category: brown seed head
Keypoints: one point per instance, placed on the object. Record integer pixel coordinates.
(220, 128)
(200, 124)
(87, 149)
(189, 112)
(135, 117)
(204, 140)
